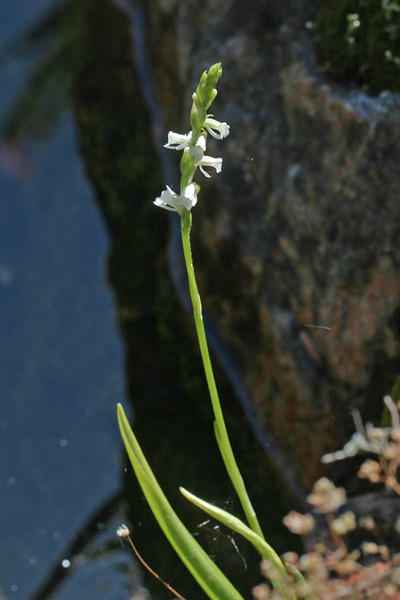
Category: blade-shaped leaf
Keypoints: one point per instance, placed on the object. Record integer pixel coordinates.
(200, 565)
(278, 571)
(265, 550)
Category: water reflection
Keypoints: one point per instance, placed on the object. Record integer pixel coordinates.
(49, 46)
(60, 363)
(61, 359)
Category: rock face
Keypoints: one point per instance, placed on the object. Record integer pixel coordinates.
(302, 227)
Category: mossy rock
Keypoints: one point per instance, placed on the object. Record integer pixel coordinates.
(359, 42)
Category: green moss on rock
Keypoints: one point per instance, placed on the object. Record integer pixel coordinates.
(359, 41)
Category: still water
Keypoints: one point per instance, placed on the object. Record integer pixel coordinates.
(61, 356)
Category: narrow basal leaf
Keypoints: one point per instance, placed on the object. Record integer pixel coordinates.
(200, 565)
(265, 550)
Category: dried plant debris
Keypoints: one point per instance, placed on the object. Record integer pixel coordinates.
(331, 569)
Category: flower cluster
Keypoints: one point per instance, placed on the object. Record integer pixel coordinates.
(193, 145)
(336, 577)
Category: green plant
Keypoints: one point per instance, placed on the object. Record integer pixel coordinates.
(206, 573)
(330, 570)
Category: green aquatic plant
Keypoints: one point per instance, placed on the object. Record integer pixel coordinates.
(203, 569)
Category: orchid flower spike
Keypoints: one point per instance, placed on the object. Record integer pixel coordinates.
(193, 145)
(172, 201)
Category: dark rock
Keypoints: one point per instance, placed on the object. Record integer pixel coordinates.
(302, 227)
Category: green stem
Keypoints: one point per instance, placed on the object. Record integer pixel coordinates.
(220, 428)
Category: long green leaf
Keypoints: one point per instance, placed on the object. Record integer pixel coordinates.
(265, 550)
(200, 565)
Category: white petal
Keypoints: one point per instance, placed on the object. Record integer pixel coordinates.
(204, 172)
(197, 151)
(171, 201)
(168, 195)
(178, 141)
(167, 200)
(217, 129)
(209, 161)
(158, 202)
(197, 154)
(188, 197)
(201, 142)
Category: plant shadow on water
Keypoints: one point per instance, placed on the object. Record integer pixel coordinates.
(165, 383)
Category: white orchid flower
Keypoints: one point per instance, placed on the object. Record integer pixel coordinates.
(209, 161)
(197, 151)
(178, 141)
(215, 128)
(176, 202)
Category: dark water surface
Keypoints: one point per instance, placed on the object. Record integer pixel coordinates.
(60, 356)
